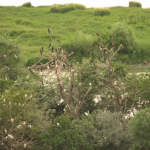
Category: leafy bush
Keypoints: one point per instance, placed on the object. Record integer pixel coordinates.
(66, 8)
(9, 60)
(104, 130)
(16, 116)
(124, 35)
(135, 4)
(140, 130)
(62, 135)
(101, 12)
(27, 4)
(81, 44)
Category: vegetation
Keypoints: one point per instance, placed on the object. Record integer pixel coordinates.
(28, 4)
(57, 8)
(65, 80)
(101, 12)
(135, 4)
(139, 129)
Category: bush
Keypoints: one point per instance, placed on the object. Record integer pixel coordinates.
(66, 8)
(140, 130)
(27, 4)
(102, 12)
(16, 116)
(124, 35)
(104, 130)
(81, 44)
(135, 4)
(62, 135)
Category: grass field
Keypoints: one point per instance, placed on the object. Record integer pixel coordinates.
(29, 26)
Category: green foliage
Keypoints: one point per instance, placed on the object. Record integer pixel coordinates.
(27, 4)
(104, 130)
(140, 131)
(62, 135)
(124, 35)
(81, 44)
(102, 12)
(16, 118)
(9, 60)
(135, 4)
(57, 8)
(120, 69)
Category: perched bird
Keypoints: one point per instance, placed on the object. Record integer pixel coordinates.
(48, 30)
(49, 45)
(58, 41)
(52, 49)
(97, 34)
(41, 51)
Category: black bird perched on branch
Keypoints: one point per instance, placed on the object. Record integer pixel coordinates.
(97, 34)
(41, 51)
(48, 30)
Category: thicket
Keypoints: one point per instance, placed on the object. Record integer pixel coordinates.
(102, 11)
(139, 130)
(135, 4)
(27, 4)
(124, 34)
(57, 8)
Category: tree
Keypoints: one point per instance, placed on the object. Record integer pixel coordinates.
(124, 35)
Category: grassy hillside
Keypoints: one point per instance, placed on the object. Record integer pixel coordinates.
(29, 26)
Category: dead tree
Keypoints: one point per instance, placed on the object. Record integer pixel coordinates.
(108, 55)
(61, 69)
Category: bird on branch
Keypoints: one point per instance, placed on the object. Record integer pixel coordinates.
(48, 30)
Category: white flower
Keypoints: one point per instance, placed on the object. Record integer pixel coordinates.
(16, 56)
(4, 100)
(4, 55)
(10, 135)
(90, 84)
(58, 124)
(5, 131)
(25, 95)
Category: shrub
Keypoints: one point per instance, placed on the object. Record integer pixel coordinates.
(27, 4)
(66, 8)
(81, 43)
(135, 4)
(140, 130)
(101, 12)
(124, 35)
(62, 135)
(104, 130)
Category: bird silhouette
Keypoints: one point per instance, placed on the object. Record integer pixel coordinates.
(58, 41)
(48, 30)
(49, 45)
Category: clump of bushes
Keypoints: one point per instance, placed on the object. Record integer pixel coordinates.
(135, 4)
(140, 131)
(101, 12)
(57, 8)
(27, 4)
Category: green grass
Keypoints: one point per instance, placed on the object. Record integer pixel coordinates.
(29, 26)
